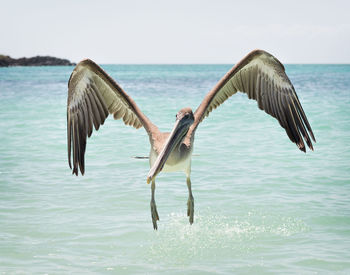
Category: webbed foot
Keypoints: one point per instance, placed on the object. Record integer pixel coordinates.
(154, 214)
(190, 208)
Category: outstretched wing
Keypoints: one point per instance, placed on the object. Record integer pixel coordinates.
(262, 77)
(92, 95)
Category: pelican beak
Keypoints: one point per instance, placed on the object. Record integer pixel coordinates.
(179, 131)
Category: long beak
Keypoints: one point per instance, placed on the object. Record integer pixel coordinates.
(174, 138)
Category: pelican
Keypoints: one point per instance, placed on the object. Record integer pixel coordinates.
(93, 95)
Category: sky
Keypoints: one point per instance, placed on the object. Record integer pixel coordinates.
(178, 31)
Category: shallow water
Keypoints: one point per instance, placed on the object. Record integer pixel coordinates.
(261, 205)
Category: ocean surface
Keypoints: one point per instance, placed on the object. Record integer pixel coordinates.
(261, 205)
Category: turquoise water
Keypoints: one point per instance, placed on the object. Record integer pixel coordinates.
(261, 205)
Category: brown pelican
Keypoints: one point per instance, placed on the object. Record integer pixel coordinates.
(93, 94)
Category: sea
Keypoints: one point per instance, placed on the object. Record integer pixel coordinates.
(261, 205)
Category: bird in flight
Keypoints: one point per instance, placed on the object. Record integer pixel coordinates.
(93, 95)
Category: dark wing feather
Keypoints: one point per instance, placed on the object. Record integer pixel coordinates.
(92, 96)
(262, 77)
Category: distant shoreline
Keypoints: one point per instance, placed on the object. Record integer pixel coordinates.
(7, 61)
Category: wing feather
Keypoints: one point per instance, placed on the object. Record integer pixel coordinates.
(69, 141)
(262, 77)
(89, 115)
(92, 96)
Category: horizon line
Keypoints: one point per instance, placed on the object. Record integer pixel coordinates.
(291, 63)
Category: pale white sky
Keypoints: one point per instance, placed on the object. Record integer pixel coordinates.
(178, 31)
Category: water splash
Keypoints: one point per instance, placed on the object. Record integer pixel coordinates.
(214, 236)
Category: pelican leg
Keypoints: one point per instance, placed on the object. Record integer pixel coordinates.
(154, 212)
(190, 201)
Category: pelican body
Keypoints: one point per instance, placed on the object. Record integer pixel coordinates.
(93, 95)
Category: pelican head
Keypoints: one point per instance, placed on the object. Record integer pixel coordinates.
(184, 119)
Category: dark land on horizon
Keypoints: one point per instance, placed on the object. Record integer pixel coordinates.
(7, 61)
